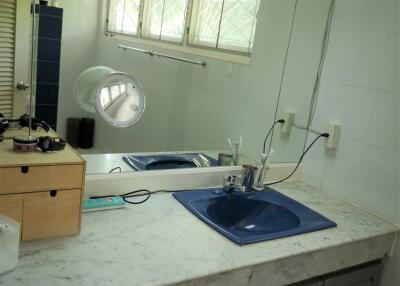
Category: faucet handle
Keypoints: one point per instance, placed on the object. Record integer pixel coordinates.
(229, 180)
(230, 184)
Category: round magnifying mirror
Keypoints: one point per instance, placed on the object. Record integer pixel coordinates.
(117, 97)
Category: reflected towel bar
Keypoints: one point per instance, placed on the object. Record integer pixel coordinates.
(154, 53)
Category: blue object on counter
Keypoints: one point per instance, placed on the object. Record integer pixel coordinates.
(165, 162)
(99, 204)
(252, 217)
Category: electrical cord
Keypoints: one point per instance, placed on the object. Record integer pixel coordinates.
(134, 194)
(283, 74)
(269, 133)
(115, 169)
(317, 83)
(325, 135)
(307, 129)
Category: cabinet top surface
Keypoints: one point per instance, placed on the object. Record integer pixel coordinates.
(10, 158)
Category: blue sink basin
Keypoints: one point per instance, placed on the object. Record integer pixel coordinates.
(252, 217)
(165, 162)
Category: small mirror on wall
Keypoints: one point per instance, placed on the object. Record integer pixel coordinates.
(117, 97)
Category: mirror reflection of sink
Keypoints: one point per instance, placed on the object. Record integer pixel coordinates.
(252, 217)
(167, 161)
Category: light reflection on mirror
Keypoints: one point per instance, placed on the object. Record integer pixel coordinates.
(119, 100)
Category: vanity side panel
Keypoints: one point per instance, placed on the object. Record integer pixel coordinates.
(11, 206)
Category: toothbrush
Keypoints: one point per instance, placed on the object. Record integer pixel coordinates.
(264, 168)
(236, 156)
(231, 146)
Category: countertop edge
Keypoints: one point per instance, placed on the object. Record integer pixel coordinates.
(300, 267)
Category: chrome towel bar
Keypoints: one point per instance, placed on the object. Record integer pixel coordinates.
(154, 53)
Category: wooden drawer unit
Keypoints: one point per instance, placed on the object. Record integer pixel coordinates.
(40, 178)
(43, 191)
(52, 213)
(11, 206)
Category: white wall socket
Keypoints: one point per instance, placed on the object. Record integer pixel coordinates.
(333, 129)
(288, 116)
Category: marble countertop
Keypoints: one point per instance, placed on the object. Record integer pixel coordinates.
(161, 243)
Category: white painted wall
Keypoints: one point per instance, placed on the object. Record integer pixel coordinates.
(360, 90)
(79, 36)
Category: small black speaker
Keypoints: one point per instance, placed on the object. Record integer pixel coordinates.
(73, 129)
(86, 133)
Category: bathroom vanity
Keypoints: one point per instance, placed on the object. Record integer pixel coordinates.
(42, 191)
(161, 243)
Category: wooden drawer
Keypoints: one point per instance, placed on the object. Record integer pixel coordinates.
(40, 178)
(49, 214)
(11, 206)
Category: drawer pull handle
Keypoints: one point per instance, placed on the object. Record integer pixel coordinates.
(24, 169)
(53, 194)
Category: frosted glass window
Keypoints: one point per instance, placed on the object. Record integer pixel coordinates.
(206, 22)
(224, 24)
(115, 92)
(227, 25)
(165, 19)
(238, 24)
(124, 16)
(122, 88)
(105, 97)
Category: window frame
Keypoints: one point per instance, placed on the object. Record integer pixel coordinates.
(184, 46)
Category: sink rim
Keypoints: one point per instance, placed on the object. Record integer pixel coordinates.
(310, 220)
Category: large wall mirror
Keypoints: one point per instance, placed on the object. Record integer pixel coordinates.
(264, 63)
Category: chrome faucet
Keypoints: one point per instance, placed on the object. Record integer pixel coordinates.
(249, 176)
(230, 184)
(252, 178)
(259, 186)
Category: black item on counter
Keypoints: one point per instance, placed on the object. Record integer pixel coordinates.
(86, 133)
(73, 130)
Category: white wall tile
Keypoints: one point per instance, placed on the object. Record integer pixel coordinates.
(349, 106)
(355, 58)
(360, 90)
(275, 14)
(389, 78)
(270, 48)
(366, 16)
(384, 125)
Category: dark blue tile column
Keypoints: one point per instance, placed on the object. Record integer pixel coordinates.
(48, 63)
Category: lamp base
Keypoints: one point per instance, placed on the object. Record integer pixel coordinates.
(25, 143)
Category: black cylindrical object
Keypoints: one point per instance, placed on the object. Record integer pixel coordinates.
(73, 129)
(86, 133)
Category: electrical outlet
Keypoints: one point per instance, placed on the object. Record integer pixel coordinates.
(288, 116)
(333, 129)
